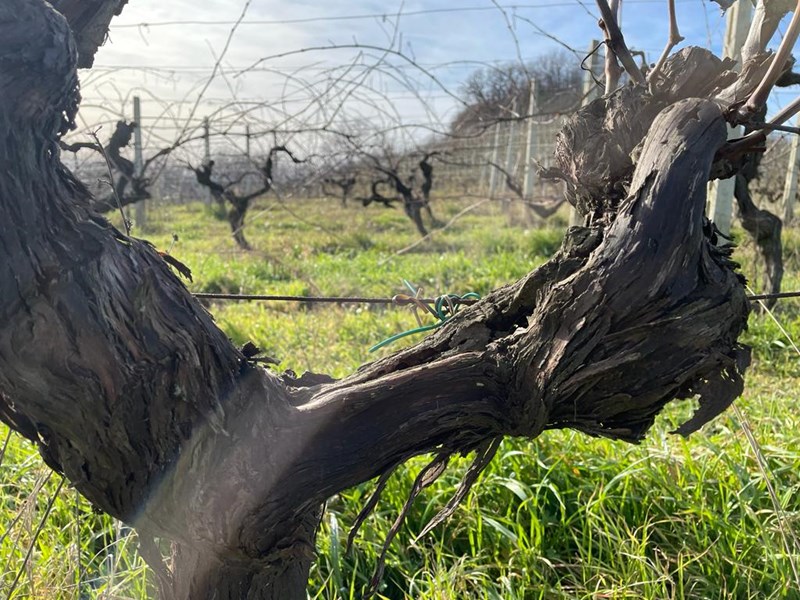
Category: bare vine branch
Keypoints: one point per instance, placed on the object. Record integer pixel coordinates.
(674, 39)
(615, 42)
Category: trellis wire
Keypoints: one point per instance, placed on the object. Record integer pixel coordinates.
(398, 300)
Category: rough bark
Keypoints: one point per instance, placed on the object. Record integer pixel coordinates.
(89, 20)
(129, 388)
(596, 150)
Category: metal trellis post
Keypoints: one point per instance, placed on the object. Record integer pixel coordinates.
(527, 183)
(720, 193)
(790, 186)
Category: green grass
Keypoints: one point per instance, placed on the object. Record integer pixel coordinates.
(563, 516)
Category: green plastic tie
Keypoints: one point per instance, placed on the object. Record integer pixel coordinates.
(445, 307)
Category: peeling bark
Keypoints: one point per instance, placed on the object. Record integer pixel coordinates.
(128, 387)
(596, 150)
(89, 20)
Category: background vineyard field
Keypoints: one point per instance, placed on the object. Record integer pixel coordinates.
(564, 516)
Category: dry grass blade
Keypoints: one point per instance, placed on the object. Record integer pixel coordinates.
(432, 471)
(5, 447)
(40, 483)
(125, 221)
(484, 455)
(32, 544)
(785, 528)
(370, 505)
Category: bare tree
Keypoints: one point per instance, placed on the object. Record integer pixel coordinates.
(131, 391)
(345, 183)
(238, 203)
(377, 196)
(426, 168)
(389, 164)
(413, 203)
(502, 91)
(124, 168)
(762, 225)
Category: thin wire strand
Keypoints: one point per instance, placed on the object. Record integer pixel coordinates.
(776, 321)
(409, 13)
(777, 296)
(402, 300)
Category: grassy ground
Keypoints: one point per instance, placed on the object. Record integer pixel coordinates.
(564, 516)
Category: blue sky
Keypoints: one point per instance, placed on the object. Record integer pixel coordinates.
(167, 65)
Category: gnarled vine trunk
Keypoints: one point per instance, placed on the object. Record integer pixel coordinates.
(129, 388)
(763, 226)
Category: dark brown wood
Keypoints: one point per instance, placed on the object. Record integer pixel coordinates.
(225, 196)
(121, 166)
(129, 388)
(426, 168)
(111, 151)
